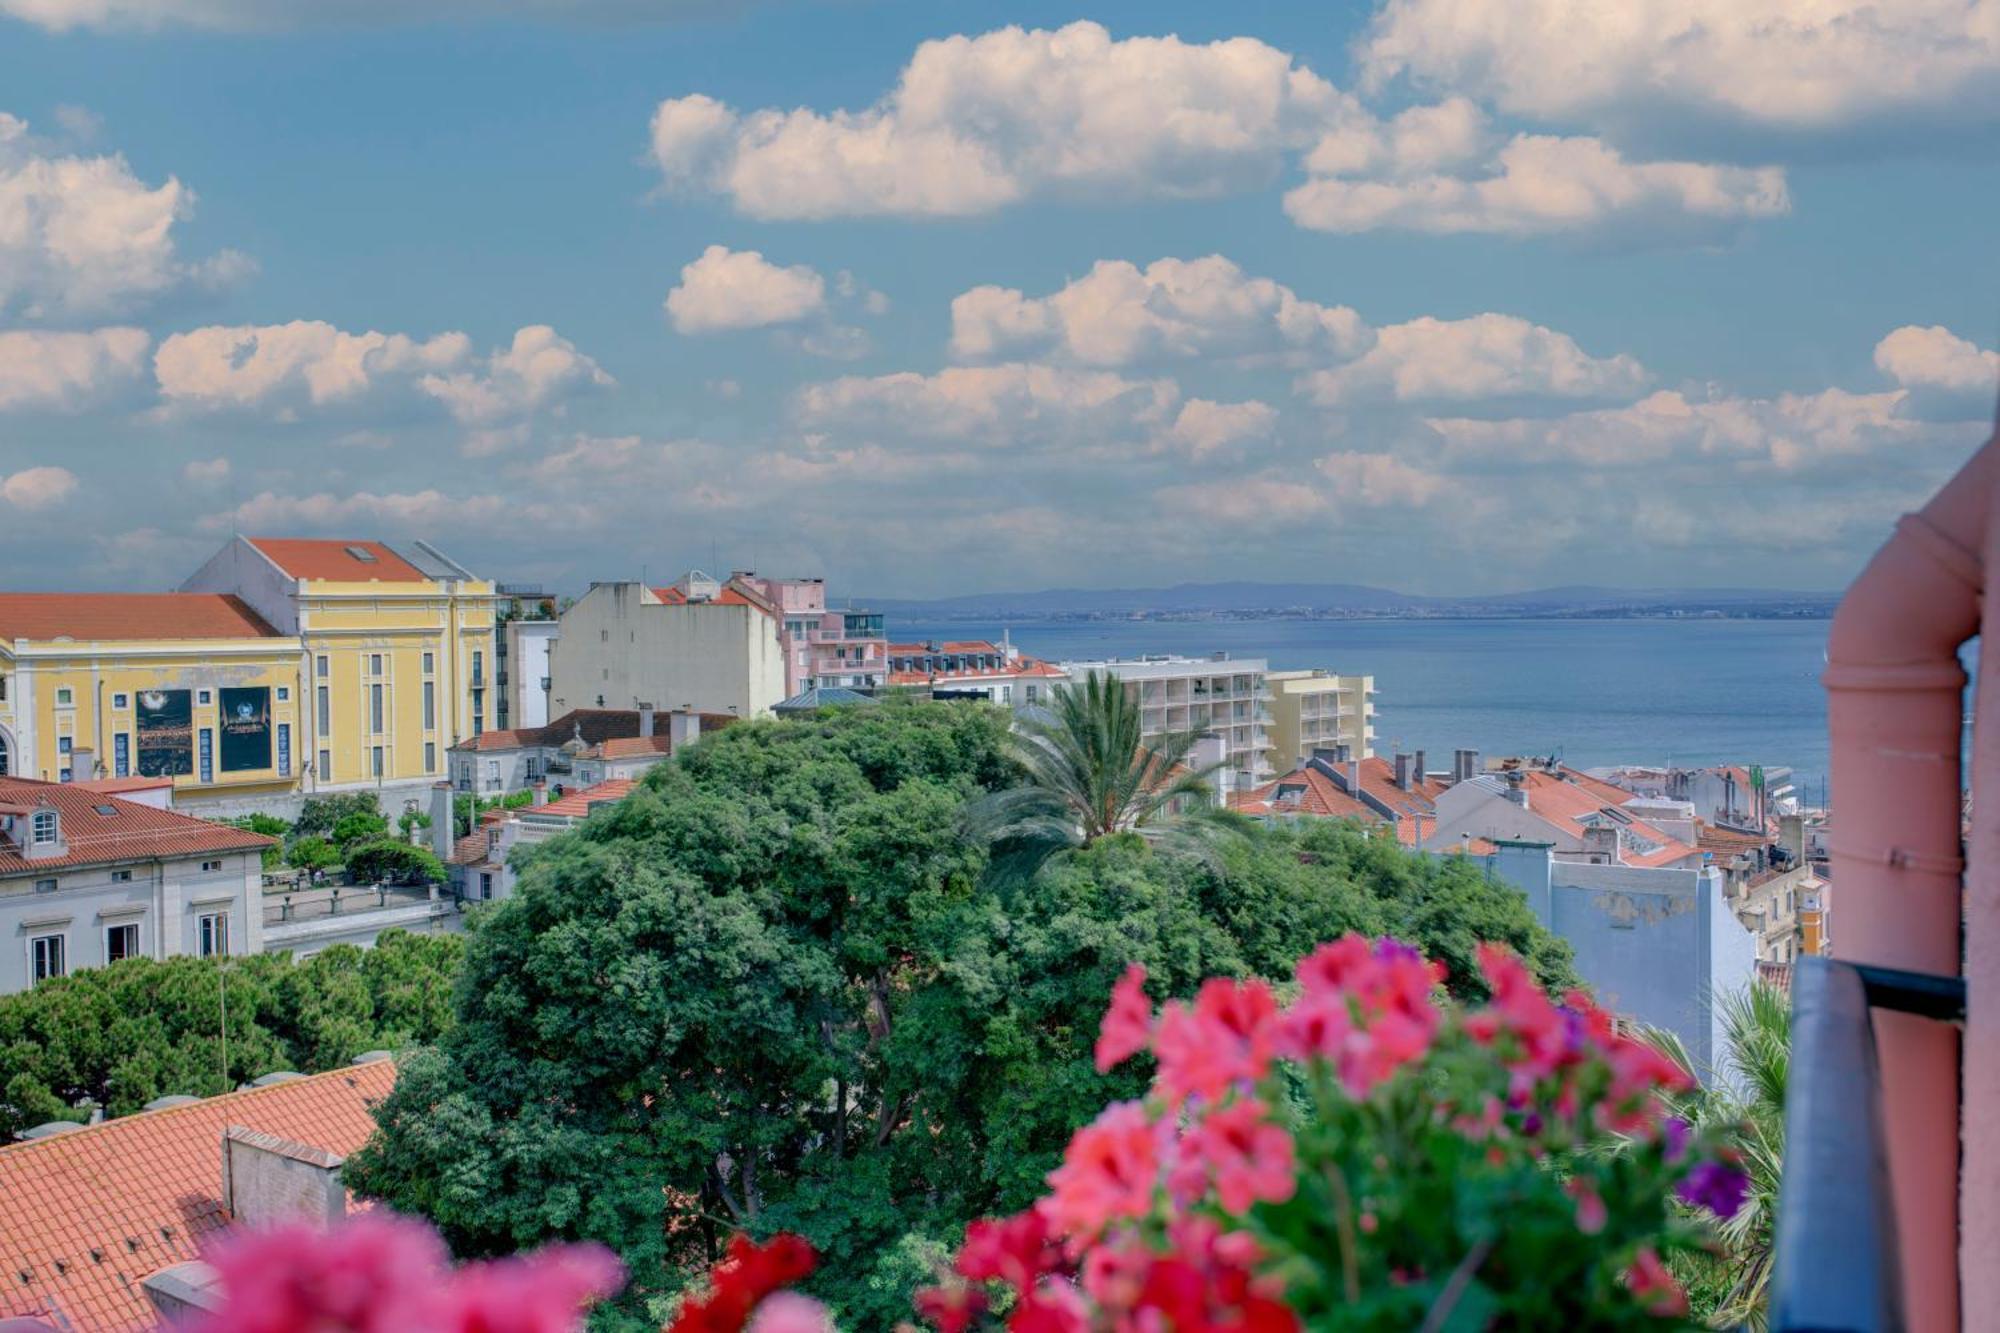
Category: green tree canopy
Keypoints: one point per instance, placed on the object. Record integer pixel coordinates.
(124, 1034)
(387, 861)
(319, 814)
(776, 988)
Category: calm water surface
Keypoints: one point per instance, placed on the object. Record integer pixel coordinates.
(1686, 692)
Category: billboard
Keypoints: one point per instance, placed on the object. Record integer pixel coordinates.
(246, 728)
(164, 721)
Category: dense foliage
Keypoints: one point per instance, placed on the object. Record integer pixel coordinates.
(777, 989)
(124, 1034)
(318, 815)
(387, 861)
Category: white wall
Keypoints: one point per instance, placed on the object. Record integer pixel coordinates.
(241, 569)
(620, 646)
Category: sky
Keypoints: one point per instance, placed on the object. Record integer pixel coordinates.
(1437, 295)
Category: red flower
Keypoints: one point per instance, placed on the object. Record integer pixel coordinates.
(952, 1307)
(747, 1274)
(1229, 1036)
(1654, 1286)
(1128, 1023)
(1017, 1250)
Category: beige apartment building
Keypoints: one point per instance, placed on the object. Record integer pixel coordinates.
(1315, 710)
(699, 645)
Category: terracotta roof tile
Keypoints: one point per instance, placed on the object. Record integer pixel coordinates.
(577, 804)
(98, 616)
(89, 1215)
(131, 832)
(1316, 794)
(335, 562)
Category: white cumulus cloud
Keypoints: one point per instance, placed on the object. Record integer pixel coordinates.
(997, 406)
(977, 123)
(1119, 315)
(83, 236)
(1485, 357)
(38, 487)
(1796, 65)
(1379, 480)
(67, 371)
(1533, 184)
(1949, 378)
(540, 368)
(740, 289)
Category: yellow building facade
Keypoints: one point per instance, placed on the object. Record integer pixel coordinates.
(283, 668)
(1318, 710)
(395, 652)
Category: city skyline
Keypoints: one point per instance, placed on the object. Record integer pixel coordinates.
(993, 299)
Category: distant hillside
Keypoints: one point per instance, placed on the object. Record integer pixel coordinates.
(1349, 599)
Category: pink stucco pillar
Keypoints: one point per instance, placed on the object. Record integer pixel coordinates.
(1979, 1208)
(1895, 701)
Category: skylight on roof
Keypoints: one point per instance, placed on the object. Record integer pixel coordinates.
(362, 553)
(105, 809)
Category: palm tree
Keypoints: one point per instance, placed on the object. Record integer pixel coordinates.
(1746, 1092)
(1090, 774)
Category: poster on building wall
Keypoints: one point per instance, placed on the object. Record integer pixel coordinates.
(246, 728)
(165, 725)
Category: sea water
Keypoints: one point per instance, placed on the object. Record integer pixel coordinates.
(1685, 692)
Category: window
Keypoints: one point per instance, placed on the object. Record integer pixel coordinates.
(62, 745)
(493, 772)
(486, 884)
(478, 665)
(205, 744)
(118, 701)
(45, 957)
(108, 811)
(210, 867)
(362, 553)
(375, 762)
(284, 749)
(325, 765)
(121, 877)
(374, 664)
(430, 705)
(430, 663)
(375, 708)
(284, 694)
(430, 756)
(319, 667)
(121, 942)
(325, 710)
(65, 696)
(45, 886)
(44, 826)
(121, 755)
(212, 934)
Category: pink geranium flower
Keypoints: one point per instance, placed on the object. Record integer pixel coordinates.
(789, 1312)
(1249, 1158)
(1109, 1171)
(1227, 1037)
(1128, 1023)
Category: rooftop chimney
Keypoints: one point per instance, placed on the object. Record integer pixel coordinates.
(1517, 788)
(270, 1181)
(1600, 844)
(645, 720)
(1417, 767)
(441, 820)
(1403, 771)
(539, 789)
(683, 728)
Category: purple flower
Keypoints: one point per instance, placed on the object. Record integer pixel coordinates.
(1718, 1188)
(1676, 1138)
(1388, 950)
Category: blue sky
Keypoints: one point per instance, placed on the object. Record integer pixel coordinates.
(971, 298)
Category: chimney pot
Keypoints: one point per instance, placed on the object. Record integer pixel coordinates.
(645, 720)
(1417, 767)
(1403, 771)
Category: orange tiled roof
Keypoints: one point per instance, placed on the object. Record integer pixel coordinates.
(1378, 779)
(87, 616)
(628, 747)
(1561, 799)
(87, 1216)
(131, 832)
(113, 786)
(577, 804)
(1318, 795)
(334, 561)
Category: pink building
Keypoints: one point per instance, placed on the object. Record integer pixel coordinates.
(823, 647)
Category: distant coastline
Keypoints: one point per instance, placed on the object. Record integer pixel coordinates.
(1245, 601)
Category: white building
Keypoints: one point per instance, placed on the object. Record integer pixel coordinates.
(525, 647)
(1218, 696)
(480, 862)
(695, 646)
(973, 668)
(88, 879)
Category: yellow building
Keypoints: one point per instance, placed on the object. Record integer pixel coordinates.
(1312, 710)
(193, 686)
(394, 651)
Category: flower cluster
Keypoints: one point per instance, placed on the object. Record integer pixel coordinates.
(379, 1273)
(747, 1291)
(1363, 1155)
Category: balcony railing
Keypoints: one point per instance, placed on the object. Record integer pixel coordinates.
(1838, 1266)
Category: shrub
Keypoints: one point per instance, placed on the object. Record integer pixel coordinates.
(386, 861)
(358, 827)
(319, 814)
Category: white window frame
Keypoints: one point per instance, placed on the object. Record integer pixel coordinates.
(46, 828)
(59, 955)
(117, 928)
(211, 934)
